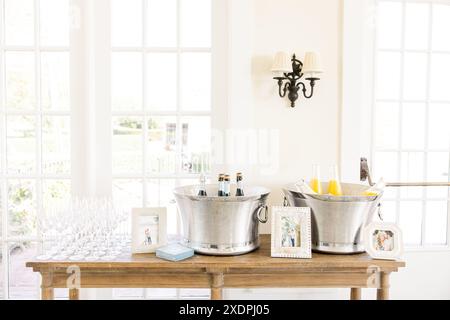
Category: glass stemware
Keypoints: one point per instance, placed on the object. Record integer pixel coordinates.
(89, 229)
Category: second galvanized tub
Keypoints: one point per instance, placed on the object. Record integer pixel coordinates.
(337, 222)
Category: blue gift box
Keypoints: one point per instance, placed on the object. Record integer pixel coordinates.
(174, 252)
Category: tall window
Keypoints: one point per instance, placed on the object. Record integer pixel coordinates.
(160, 72)
(34, 130)
(411, 132)
(161, 103)
(161, 97)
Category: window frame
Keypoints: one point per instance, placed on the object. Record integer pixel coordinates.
(37, 113)
(90, 103)
(359, 76)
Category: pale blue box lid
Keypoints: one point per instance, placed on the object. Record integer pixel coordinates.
(175, 252)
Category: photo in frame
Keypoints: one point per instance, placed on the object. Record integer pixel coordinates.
(148, 229)
(383, 241)
(291, 232)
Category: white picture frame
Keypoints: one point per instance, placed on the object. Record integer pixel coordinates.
(291, 232)
(148, 229)
(383, 240)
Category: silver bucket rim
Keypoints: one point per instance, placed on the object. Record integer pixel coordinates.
(254, 193)
(292, 189)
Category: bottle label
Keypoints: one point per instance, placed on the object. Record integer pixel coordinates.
(226, 189)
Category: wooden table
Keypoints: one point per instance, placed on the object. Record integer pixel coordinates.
(254, 270)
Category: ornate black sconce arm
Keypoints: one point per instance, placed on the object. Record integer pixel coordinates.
(292, 84)
(312, 83)
(282, 92)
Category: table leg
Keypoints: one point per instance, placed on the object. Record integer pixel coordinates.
(355, 294)
(383, 290)
(216, 294)
(74, 294)
(217, 286)
(47, 293)
(47, 290)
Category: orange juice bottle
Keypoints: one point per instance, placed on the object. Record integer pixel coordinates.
(334, 186)
(315, 182)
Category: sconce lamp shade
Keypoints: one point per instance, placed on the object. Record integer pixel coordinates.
(282, 63)
(311, 63)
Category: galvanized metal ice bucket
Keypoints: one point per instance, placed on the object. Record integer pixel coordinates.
(221, 225)
(337, 222)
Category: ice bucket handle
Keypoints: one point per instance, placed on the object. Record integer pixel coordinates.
(266, 213)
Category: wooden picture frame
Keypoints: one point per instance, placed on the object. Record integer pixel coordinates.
(383, 240)
(291, 232)
(148, 229)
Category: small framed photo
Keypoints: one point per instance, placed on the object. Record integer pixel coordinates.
(291, 232)
(148, 229)
(383, 241)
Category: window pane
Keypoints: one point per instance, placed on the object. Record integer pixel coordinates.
(127, 145)
(412, 166)
(390, 193)
(417, 26)
(20, 84)
(195, 81)
(195, 20)
(389, 25)
(56, 144)
(161, 75)
(439, 129)
(22, 207)
(415, 76)
(23, 282)
(162, 23)
(195, 144)
(411, 221)
(438, 193)
(126, 22)
(161, 145)
(160, 193)
(389, 211)
(128, 192)
(126, 81)
(55, 193)
(436, 223)
(413, 131)
(386, 131)
(54, 22)
(388, 75)
(19, 22)
(441, 25)
(21, 144)
(440, 77)
(386, 166)
(438, 170)
(412, 192)
(55, 88)
(438, 166)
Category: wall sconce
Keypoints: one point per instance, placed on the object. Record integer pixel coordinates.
(288, 71)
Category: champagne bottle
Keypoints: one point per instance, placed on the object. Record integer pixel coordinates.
(239, 188)
(220, 192)
(226, 186)
(202, 190)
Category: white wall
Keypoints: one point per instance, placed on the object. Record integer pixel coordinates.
(310, 133)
